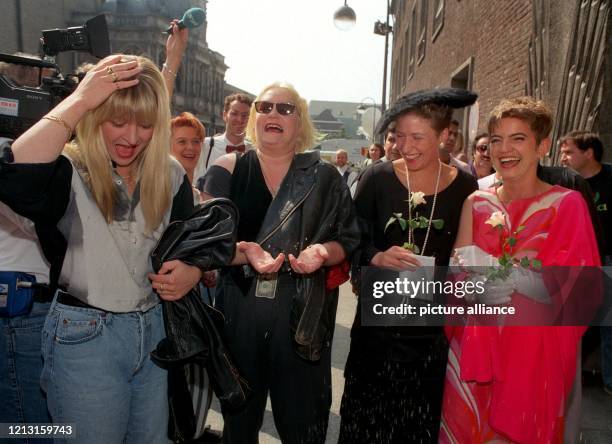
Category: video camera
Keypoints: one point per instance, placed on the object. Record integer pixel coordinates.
(23, 106)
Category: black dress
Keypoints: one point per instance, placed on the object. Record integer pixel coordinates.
(394, 377)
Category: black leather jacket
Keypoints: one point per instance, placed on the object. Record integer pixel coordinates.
(313, 205)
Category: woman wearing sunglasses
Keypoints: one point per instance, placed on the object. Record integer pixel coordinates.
(279, 297)
(481, 157)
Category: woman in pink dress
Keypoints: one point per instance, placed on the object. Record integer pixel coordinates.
(518, 384)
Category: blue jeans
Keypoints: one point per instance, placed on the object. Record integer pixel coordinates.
(98, 374)
(21, 399)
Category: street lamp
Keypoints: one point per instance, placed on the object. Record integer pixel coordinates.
(385, 29)
(344, 17)
(362, 110)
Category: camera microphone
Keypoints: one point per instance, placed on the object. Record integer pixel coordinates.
(192, 18)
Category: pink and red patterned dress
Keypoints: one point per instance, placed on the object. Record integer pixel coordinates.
(512, 384)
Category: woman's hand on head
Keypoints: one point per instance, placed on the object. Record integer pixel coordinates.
(309, 260)
(396, 258)
(108, 76)
(261, 260)
(175, 279)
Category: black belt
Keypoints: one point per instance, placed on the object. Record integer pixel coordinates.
(42, 293)
(66, 299)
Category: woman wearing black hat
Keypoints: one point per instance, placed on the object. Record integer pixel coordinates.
(395, 375)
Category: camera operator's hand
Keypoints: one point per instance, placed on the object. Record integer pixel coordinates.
(109, 75)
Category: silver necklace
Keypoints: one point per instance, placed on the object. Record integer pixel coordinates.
(433, 208)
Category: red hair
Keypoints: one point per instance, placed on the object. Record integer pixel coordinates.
(188, 119)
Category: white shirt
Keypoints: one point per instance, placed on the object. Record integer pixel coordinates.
(486, 182)
(19, 248)
(218, 150)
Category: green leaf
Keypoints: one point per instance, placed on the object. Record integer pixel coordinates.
(596, 197)
(525, 262)
(536, 264)
(413, 223)
(512, 241)
(402, 223)
(411, 247)
(504, 260)
(397, 215)
(389, 222)
(438, 224)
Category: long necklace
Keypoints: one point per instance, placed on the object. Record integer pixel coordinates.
(433, 208)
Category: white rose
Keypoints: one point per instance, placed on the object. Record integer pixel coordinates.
(417, 198)
(496, 219)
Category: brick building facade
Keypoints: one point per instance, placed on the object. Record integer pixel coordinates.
(551, 49)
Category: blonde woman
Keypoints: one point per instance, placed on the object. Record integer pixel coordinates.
(102, 205)
(278, 298)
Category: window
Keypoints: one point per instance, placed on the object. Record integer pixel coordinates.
(438, 19)
(412, 50)
(422, 31)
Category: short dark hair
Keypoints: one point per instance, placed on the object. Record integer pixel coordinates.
(242, 98)
(585, 140)
(535, 112)
(454, 122)
(439, 115)
(379, 147)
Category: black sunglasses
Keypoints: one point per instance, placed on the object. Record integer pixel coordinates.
(284, 109)
(482, 148)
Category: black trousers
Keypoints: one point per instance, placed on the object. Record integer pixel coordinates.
(258, 335)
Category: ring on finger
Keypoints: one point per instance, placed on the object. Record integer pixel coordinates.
(109, 70)
(115, 77)
(161, 287)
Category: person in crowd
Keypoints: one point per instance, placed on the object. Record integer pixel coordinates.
(458, 152)
(297, 224)
(490, 393)
(102, 203)
(375, 152)
(187, 134)
(23, 309)
(450, 148)
(583, 151)
(481, 165)
(236, 116)
(394, 376)
(175, 49)
(344, 168)
(391, 151)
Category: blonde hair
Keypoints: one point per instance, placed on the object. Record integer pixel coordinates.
(147, 103)
(306, 134)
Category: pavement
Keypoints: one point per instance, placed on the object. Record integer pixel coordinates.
(596, 404)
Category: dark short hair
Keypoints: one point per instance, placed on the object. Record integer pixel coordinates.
(439, 115)
(242, 98)
(535, 112)
(585, 140)
(379, 147)
(454, 122)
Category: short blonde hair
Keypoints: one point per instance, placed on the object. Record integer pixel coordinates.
(147, 103)
(535, 112)
(306, 136)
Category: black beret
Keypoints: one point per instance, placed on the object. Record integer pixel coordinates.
(451, 97)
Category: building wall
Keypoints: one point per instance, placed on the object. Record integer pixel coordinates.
(513, 47)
